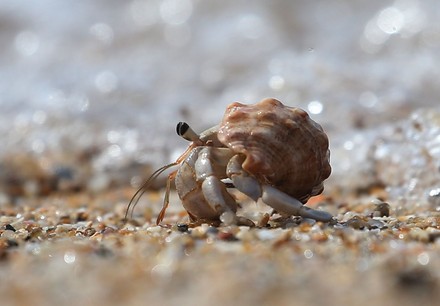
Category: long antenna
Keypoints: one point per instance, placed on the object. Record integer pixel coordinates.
(138, 194)
(184, 131)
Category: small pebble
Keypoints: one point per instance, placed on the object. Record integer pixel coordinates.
(12, 243)
(373, 224)
(382, 210)
(211, 230)
(432, 237)
(104, 252)
(419, 234)
(65, 219)
(182, 227)
(263, 220)
(269, 234)
(226, 236)
(9, 227)
(419, 279)
(357, 223)
(228, 218)
(82, 216)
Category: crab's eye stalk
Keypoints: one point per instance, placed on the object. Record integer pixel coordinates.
(182, 128)
(186, 132)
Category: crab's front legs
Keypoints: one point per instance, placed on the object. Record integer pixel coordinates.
(199, 185)
(278, 200)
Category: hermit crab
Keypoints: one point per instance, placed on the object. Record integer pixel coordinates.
(267, 151)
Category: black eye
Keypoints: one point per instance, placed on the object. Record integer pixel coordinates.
(182, 128)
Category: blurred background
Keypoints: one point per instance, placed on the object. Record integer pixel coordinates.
(91, 91)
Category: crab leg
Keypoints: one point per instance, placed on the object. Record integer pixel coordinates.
(172, 176)
(166, 199)
(279, 200)
(214, 190)
(282, 202)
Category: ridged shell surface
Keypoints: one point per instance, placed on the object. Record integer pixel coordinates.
(283, 146)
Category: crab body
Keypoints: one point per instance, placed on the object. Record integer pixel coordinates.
(268, 150)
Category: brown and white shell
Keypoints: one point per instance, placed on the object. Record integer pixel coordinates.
(283, 146)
